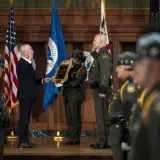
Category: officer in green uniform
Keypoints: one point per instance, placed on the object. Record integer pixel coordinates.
(147, 141)
(3, 116)
(137, 108)
(135, 119)
(99, 82)
(73, 96)
(120, 108)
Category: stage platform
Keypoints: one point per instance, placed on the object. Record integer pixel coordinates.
(49, 149)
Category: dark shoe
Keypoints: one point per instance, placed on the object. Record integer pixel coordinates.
(69, 142)
(93, 145)
(26, 145)
(23, 145)
(32, 144)
(99, 146)
(72, 142)
(76, 143)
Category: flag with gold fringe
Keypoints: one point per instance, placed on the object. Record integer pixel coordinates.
(11, 60)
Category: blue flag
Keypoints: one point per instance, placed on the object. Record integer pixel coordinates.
(56, 54)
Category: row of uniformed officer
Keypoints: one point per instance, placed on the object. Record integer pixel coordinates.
(121, 106)
(146, 128)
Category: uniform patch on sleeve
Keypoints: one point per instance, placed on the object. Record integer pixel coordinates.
(105, 56)
(131, 88)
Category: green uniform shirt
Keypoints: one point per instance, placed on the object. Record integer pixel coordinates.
(101, 68)
(146, 144)
(72, 88)
(124, 100)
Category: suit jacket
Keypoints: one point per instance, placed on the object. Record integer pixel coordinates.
(27, 80)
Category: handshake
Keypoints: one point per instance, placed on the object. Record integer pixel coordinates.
(46, 80)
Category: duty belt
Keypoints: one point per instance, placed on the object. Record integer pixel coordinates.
(115, 120)
(119, 120)
(73, 89)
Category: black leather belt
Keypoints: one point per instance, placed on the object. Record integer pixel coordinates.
(116, 120)
(73, 89)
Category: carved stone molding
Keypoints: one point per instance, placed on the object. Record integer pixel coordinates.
(33, 25)
(77, 4)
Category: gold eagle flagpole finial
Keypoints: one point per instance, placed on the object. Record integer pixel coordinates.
(11, 1)
(103, 7)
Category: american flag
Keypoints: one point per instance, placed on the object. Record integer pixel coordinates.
(11, 60)
(103, 25)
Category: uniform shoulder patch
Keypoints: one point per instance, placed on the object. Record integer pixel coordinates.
(131, 88)
(105, 56)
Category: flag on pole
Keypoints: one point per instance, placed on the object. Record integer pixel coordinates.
(103, 24)
(56, 54)
(103, 30)
(11, 60)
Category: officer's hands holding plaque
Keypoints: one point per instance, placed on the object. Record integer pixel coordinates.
(61, 75)
(59, 85)
(71, 63)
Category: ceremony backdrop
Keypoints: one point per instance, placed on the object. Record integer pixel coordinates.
(80, 22)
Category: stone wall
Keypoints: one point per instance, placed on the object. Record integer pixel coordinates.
(81, 4)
